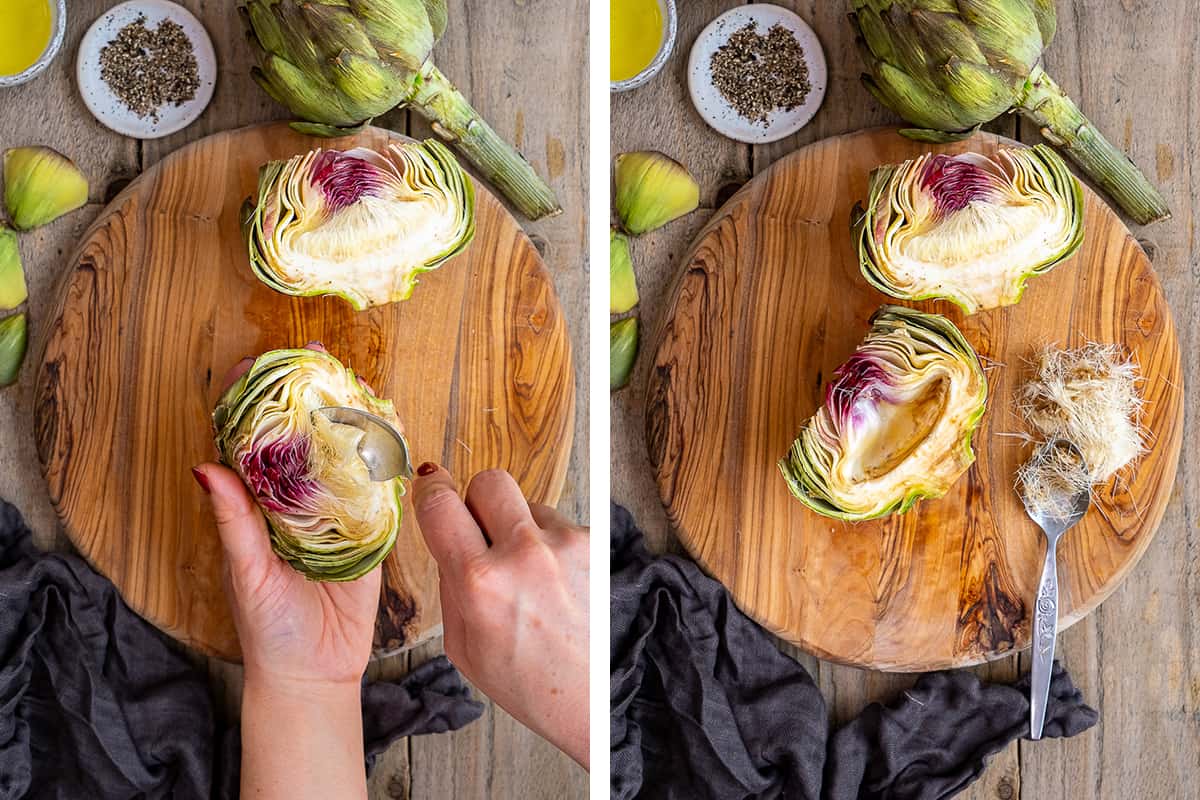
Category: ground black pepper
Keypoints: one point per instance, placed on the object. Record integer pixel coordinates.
(148, 69)
(758, 74)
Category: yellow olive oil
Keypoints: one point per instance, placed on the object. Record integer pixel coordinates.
(635, 35)
(24, 33)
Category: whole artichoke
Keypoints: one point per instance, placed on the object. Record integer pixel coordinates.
(949, 66)
(338, 63)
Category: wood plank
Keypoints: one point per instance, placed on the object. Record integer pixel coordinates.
(1138, 658)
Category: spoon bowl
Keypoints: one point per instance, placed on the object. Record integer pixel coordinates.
(383, 449)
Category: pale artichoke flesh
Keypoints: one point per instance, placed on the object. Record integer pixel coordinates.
(359, 224)
(968, 228)
(327, 518)
(897, 420)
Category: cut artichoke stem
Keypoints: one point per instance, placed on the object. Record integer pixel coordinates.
(453, 119)
(326, 517)
(13, 291)
(13, 335)
(1064, 125)
(896, 423)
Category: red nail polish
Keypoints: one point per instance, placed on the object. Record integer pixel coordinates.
(428, 468)
(201, 479)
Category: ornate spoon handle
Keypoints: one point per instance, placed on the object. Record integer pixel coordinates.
(1045, 630)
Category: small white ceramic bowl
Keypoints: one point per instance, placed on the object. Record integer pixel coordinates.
(709, 101)
(671, 18)
(104, 103)
(58, 30)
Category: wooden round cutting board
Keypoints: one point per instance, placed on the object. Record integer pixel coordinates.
(769, 302)
(160, 302)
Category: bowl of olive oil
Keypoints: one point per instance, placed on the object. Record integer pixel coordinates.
(642, 37)
(31, 34)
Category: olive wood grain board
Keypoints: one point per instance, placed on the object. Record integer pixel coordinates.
(768, 302)
(159, 302)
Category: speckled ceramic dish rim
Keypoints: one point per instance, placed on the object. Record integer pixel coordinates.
(52, 48)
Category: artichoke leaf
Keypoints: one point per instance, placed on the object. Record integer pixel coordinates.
(40, 185)
(13, 290)
(13, 339)
(622, 351)
(622, 282)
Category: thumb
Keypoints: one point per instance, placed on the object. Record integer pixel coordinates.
(240, 524)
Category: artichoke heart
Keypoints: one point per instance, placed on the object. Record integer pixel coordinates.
(327, 518)
(967, 228)
(897, 420)
(359, 224)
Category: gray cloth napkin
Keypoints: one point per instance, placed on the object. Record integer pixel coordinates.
(704, 705)
(97, 703)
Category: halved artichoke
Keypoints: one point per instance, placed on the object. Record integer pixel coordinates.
(359, 224)
(897, 420)
(327, 518)
(968, 228)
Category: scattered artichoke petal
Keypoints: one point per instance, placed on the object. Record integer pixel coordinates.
(13, 335)
(652, 190)
(326, 517)
(622, 351)
(40, 185)
(13, 291)
(897, 421)
(622, 282)
(1012, 217)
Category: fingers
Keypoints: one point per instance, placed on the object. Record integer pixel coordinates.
(548, 518)
(240, 524)
(236, 371)
(450, 531)
(496, 502)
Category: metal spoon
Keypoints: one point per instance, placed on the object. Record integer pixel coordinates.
(382, 449)
(1045, 614)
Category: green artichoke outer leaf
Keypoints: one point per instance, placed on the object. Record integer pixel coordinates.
(325, 131)
(326, 517)
(401, 29)
(897, 421)
(622, 282)
(651, 190)
(40, 185)
(937, 137)
(13, 339)
(438, 17)
(967, 228)
(13, 290)
(360, 224)
(622, 351)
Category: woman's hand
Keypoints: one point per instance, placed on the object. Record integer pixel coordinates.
(305, 646)
(514, 584)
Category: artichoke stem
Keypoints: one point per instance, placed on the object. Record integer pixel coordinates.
(453, 119)
(1065, 126)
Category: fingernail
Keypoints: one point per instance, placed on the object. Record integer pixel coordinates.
(428, 468)
(201, 479)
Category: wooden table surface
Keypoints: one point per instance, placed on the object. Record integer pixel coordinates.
(496, 53)
(1131, 66)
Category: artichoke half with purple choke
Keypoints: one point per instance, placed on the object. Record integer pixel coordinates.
(327, 518)
(897, 420)
(359, 224)
(968, 228)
